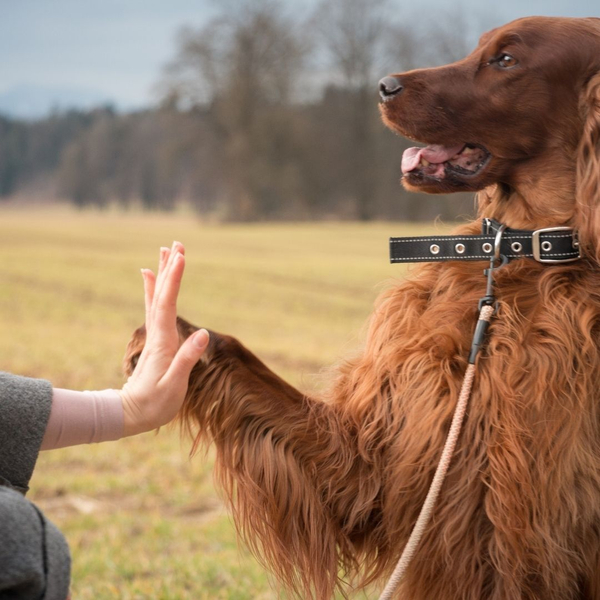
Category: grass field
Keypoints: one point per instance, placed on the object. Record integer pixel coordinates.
(142, 519)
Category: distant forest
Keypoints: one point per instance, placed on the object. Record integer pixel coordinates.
(262, 115)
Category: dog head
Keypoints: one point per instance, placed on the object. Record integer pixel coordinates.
(522, 111)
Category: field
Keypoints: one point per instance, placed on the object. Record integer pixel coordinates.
(143, 519)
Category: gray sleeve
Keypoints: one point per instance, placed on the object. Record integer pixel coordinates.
(24, 411)
(34, 556)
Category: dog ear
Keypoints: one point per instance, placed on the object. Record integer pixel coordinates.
(588, 171)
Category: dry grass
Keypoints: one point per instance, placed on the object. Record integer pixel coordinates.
(143, 520)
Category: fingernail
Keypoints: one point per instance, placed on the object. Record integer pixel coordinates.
(201, 338)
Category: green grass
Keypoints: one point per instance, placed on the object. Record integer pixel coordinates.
(142, 519)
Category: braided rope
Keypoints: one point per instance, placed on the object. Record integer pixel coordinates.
(438, 479)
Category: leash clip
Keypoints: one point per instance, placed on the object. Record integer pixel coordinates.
(489, 298)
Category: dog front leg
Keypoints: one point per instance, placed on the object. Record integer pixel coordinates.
(300, 493)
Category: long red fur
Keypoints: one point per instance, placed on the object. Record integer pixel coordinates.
(326, 490)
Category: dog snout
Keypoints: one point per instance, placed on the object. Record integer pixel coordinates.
(389, 87)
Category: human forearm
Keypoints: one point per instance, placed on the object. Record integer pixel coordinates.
(83, 418)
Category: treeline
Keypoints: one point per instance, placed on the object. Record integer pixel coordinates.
(263, 114)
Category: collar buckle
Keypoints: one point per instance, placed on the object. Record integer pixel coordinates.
(538, 247)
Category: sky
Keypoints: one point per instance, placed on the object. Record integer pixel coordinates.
(114, 50)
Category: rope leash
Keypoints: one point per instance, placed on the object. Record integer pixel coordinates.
(486, 311)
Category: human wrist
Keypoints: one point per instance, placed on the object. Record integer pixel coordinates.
(135, 421)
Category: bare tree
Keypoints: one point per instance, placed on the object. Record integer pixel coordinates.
(244, 64)
(353, 33)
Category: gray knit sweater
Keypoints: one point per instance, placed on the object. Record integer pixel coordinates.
(34, 556)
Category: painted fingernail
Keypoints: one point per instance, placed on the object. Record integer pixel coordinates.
(201, 338)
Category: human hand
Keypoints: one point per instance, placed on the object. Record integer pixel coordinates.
(156, 389)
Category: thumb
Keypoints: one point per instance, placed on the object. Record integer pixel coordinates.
(188, 355)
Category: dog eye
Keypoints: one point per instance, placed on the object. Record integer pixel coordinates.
(506, 61)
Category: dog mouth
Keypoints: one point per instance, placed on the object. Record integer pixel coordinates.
(439, 163)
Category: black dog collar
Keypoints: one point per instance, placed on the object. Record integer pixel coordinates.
(552, 245)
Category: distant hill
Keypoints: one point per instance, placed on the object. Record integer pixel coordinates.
(37, 101)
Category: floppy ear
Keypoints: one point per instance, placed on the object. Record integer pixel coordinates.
(588, 171)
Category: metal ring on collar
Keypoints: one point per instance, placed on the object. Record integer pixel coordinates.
(497, 242)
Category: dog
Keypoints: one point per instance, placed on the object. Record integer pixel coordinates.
(327, 489)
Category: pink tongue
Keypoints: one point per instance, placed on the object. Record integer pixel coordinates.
(433, 154)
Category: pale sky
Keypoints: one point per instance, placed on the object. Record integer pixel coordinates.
(116, 48)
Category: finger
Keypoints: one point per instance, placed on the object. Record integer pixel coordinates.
(149, 282)
(164, 255)
(165, 274)
(149, 285)
(177, 248)
(188, 355)
(165, 302)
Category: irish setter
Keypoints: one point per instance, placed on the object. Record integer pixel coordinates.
(328, 489)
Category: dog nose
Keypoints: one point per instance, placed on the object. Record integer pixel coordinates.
(389, 87)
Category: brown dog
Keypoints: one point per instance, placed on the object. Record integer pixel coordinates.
(336, 483)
